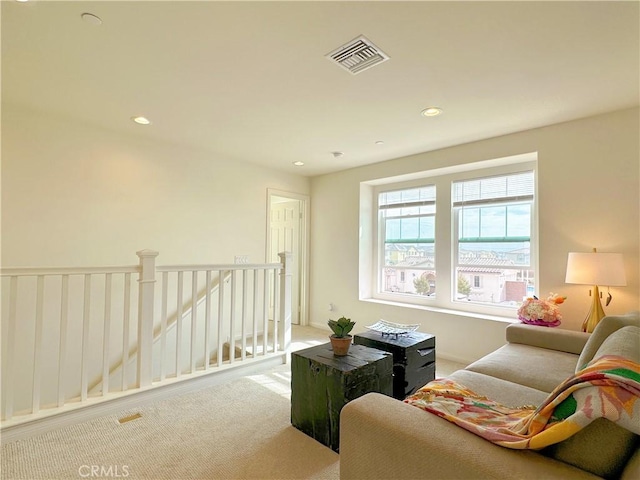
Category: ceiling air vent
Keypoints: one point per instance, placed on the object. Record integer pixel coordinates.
(357, 55)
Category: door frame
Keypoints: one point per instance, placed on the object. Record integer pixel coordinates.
(304, 244)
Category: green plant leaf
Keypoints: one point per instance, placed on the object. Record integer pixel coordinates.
(341, 327)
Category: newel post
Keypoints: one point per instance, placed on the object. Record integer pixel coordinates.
(146, 283)
(284, 333)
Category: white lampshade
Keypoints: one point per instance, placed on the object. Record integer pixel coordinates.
(606, 269)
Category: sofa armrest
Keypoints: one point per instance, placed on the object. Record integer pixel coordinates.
(545, 337)
(384, 438)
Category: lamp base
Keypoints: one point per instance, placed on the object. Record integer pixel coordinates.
(595, 314)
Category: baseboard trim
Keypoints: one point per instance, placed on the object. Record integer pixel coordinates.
(69, 415)
(453, 358)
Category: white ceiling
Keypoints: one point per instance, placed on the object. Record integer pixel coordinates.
(249, 81)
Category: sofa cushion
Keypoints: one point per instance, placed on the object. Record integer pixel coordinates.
(624, 342)
(538, 368)
(568, 341)
(602, 448)
(606, 327)
(502, 391)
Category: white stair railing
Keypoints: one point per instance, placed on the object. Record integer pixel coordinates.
(71, 336)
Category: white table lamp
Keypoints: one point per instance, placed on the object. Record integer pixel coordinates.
(595, 268)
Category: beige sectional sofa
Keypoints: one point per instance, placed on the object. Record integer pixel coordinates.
(383, 438)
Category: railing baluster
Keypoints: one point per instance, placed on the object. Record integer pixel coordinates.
(244, 315)
(62, 351)
(37, 353)
(232, 323)
(84, 385)
(285, 300)
(207, 321)
(125, 329)
(265, 312)
(106, 334)
(255, 313)
(221, 274)
(194, 311)
(276, 312)
(8, 377)
(179, 326)
(163, 325)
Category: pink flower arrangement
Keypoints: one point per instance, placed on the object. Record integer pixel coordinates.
(544, 313)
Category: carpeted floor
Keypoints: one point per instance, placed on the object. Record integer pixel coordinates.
(238, 430)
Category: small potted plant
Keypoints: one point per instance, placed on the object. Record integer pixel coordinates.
(341, 340)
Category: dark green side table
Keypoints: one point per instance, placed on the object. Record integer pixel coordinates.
(321, 384)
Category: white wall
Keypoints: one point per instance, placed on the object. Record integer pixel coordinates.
(82, 196)
(588, 196)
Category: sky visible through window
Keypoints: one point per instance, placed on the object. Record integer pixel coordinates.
(496, 221)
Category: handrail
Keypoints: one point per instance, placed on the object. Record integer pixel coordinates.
(37, 271)
(227, 266)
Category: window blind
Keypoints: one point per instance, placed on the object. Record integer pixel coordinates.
(504, 188)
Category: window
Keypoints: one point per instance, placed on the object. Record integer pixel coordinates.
(407, 223)
(461, 238)
(493, 238)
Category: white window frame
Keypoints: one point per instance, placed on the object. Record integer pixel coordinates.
(445, 242)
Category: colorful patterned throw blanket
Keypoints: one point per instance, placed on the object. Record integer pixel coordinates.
(608, 387)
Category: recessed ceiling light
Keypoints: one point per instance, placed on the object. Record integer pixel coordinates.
(431, 111)
(379, 142)
(22, 1)
(141, 120)
(91, 18)
(337, 154)
(298, 163)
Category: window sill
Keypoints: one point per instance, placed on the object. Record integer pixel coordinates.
(446, 311)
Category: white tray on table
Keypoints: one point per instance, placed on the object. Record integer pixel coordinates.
(383, 326)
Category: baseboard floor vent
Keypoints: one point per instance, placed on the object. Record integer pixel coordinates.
(358, 55)
(135, 416)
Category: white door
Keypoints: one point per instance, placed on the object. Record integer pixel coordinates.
(285, 236)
